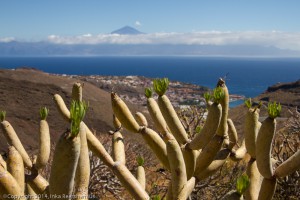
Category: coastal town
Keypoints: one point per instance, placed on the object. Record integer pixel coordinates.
(131, 88)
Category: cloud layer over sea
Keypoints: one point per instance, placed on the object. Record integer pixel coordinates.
(282, 40)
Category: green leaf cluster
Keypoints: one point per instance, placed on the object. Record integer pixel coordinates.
(44, 111)
(2, 115)
(140, 160)
(218, 94)
(198, 129)
(161, 86)
(242, 184)
(77, 113)
(148, 92)
(248, 103)
(274, 109)
(208, 97)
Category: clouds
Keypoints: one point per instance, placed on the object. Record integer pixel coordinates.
(7, 39)
(137, 23)
(283, 40)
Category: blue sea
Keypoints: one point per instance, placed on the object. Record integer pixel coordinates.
(244, 76)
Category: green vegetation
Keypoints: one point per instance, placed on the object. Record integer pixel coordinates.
(207, 97)
(148, 92)
(248, 103)
(44, 111)
(2, 115)
(242, 184)
(218, 94)
(77, 113)
(140, 160)
(161, 86)
(274, 110)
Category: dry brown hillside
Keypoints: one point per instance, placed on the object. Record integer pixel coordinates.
(24, 91)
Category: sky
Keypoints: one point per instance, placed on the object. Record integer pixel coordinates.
(266, 22)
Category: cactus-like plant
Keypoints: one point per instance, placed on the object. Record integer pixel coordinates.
(44, 140)
(15, 166)
(156, 115)
(160, 86)
(9, 186)
(118, 148)
(82, 175)
(122, 112)
(140, 172)
(13, 140)
(209, 129)
(264, 141)
(188, 161)
(66, 155)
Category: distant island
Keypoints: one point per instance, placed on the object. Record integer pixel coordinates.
(127, 30)
(128, 41)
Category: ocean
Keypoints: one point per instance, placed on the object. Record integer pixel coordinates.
(244, 76)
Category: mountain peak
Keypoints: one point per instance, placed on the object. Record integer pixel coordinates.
(127, 30)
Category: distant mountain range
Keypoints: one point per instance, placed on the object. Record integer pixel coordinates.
(50, 48)
(127, 30)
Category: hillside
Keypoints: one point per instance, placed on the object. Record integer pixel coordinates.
(24, 91)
